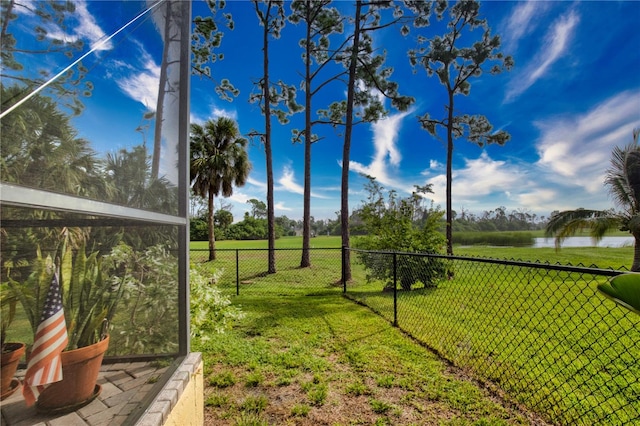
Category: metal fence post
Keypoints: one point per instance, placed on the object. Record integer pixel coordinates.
(237, 272)
(344, 282)
(395, 289)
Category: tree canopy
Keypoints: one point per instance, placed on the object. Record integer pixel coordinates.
(623, 182)
(219, 162)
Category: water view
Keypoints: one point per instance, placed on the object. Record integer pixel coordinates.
(585, 242)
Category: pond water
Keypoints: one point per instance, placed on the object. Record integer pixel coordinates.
(585, 242)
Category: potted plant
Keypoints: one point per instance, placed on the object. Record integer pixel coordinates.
(11, 351)
(89, 299)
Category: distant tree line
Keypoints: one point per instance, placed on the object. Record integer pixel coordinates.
(254, 227)
(498, 219)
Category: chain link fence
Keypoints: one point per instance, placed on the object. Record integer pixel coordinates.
(540, 334)
(245, 271)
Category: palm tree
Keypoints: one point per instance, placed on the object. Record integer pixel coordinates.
(623, 180)
(40, 148)
(219, 161)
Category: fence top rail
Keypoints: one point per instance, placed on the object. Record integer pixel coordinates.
(509, 262)
(267, 249)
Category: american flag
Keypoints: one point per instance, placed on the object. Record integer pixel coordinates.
(51, 338)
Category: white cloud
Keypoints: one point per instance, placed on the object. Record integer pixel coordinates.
(142, 86)
(239, 197)
(87, 29)
(481, 184)
(280, 207)
(288, 182)
(220, 112)
(213, 114)
(538, 196)
(523, 19)
(556, 43)
(434, 165)
(484, 176)
(386, 154)
(574, 153)
(261, 185)
(577, 149)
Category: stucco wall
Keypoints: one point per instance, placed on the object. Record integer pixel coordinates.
(181, 402)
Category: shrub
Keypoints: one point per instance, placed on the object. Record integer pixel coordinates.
(146, 323)
(401, 225)
(211, 311)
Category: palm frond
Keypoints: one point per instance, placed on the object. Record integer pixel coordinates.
(633, 174)
(623, 176)
(568, 223)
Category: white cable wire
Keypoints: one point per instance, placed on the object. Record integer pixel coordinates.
(98, 45)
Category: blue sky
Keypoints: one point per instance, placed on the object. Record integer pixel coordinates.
(573, 94)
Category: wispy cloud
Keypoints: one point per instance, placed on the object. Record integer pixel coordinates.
(213, 113)
(433, 166)
(478, 179)
(535, 198)
(288, 183)
(86, 28)
(574, 153)
(579, 148)
(281, 207)
(90, 29)
(556, 43)
(221, 112)
(239, 197)
(386, 154)
(142, 85)
(522, 20)
(260, 184)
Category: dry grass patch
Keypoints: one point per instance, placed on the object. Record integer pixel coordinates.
(326, 361)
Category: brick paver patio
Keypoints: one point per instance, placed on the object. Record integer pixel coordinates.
(124, 387)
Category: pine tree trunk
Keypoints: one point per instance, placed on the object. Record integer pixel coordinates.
(271, 229)
(306, 215)
(344, 198)
(449, 212)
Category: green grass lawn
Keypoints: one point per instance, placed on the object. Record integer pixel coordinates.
(324, 360)
(600, 257)
(549, 340)
(322, 241)
(305, 355)
(546, 338)
(603, 257)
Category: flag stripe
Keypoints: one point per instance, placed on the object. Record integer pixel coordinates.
(56, 338)
(45, 357)
(45, 361)
(52, 325)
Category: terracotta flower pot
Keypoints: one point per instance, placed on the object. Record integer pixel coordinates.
(11, 354)
(80, 368)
